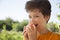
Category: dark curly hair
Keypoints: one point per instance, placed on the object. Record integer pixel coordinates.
(42, 6)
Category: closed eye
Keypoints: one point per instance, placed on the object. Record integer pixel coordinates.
(36, 16)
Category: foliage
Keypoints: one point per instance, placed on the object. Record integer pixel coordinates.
(54, 27)
(58, 16)
(10, 35)
(13, 25)
(21, 25)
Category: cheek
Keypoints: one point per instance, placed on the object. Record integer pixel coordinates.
(41, 24)
(41, 21)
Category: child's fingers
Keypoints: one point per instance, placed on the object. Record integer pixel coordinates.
(28, 29)
(25, 35)
(34, 27)
(24, 32)
(31, 26)
(24, 28)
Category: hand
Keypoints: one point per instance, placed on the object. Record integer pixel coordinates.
(25, 34)
(31, 31)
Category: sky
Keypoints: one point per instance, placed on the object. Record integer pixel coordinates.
(15, 9)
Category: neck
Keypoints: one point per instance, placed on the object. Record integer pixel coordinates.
(44, 31)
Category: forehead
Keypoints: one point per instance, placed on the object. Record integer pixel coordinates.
(34, 12)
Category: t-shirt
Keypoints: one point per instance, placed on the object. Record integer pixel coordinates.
(49, 36)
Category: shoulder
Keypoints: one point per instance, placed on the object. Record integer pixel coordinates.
(49, 36)
(55, 36)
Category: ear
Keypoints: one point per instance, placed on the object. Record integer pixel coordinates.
(47, 18)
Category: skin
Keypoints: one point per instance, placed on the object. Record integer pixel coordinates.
(30, 31)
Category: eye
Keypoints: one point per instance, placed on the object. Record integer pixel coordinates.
(29, 16)
(36, 16)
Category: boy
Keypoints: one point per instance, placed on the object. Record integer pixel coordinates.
(39, 14)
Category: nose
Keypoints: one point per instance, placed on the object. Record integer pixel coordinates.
(32, 20)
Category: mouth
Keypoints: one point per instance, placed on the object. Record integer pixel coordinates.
(36, 25)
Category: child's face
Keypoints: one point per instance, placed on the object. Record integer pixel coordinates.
(37, 18)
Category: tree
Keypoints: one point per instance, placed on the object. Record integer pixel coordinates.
(21, 25)
(8, 20)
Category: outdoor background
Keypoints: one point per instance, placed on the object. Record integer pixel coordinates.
(13, 17)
